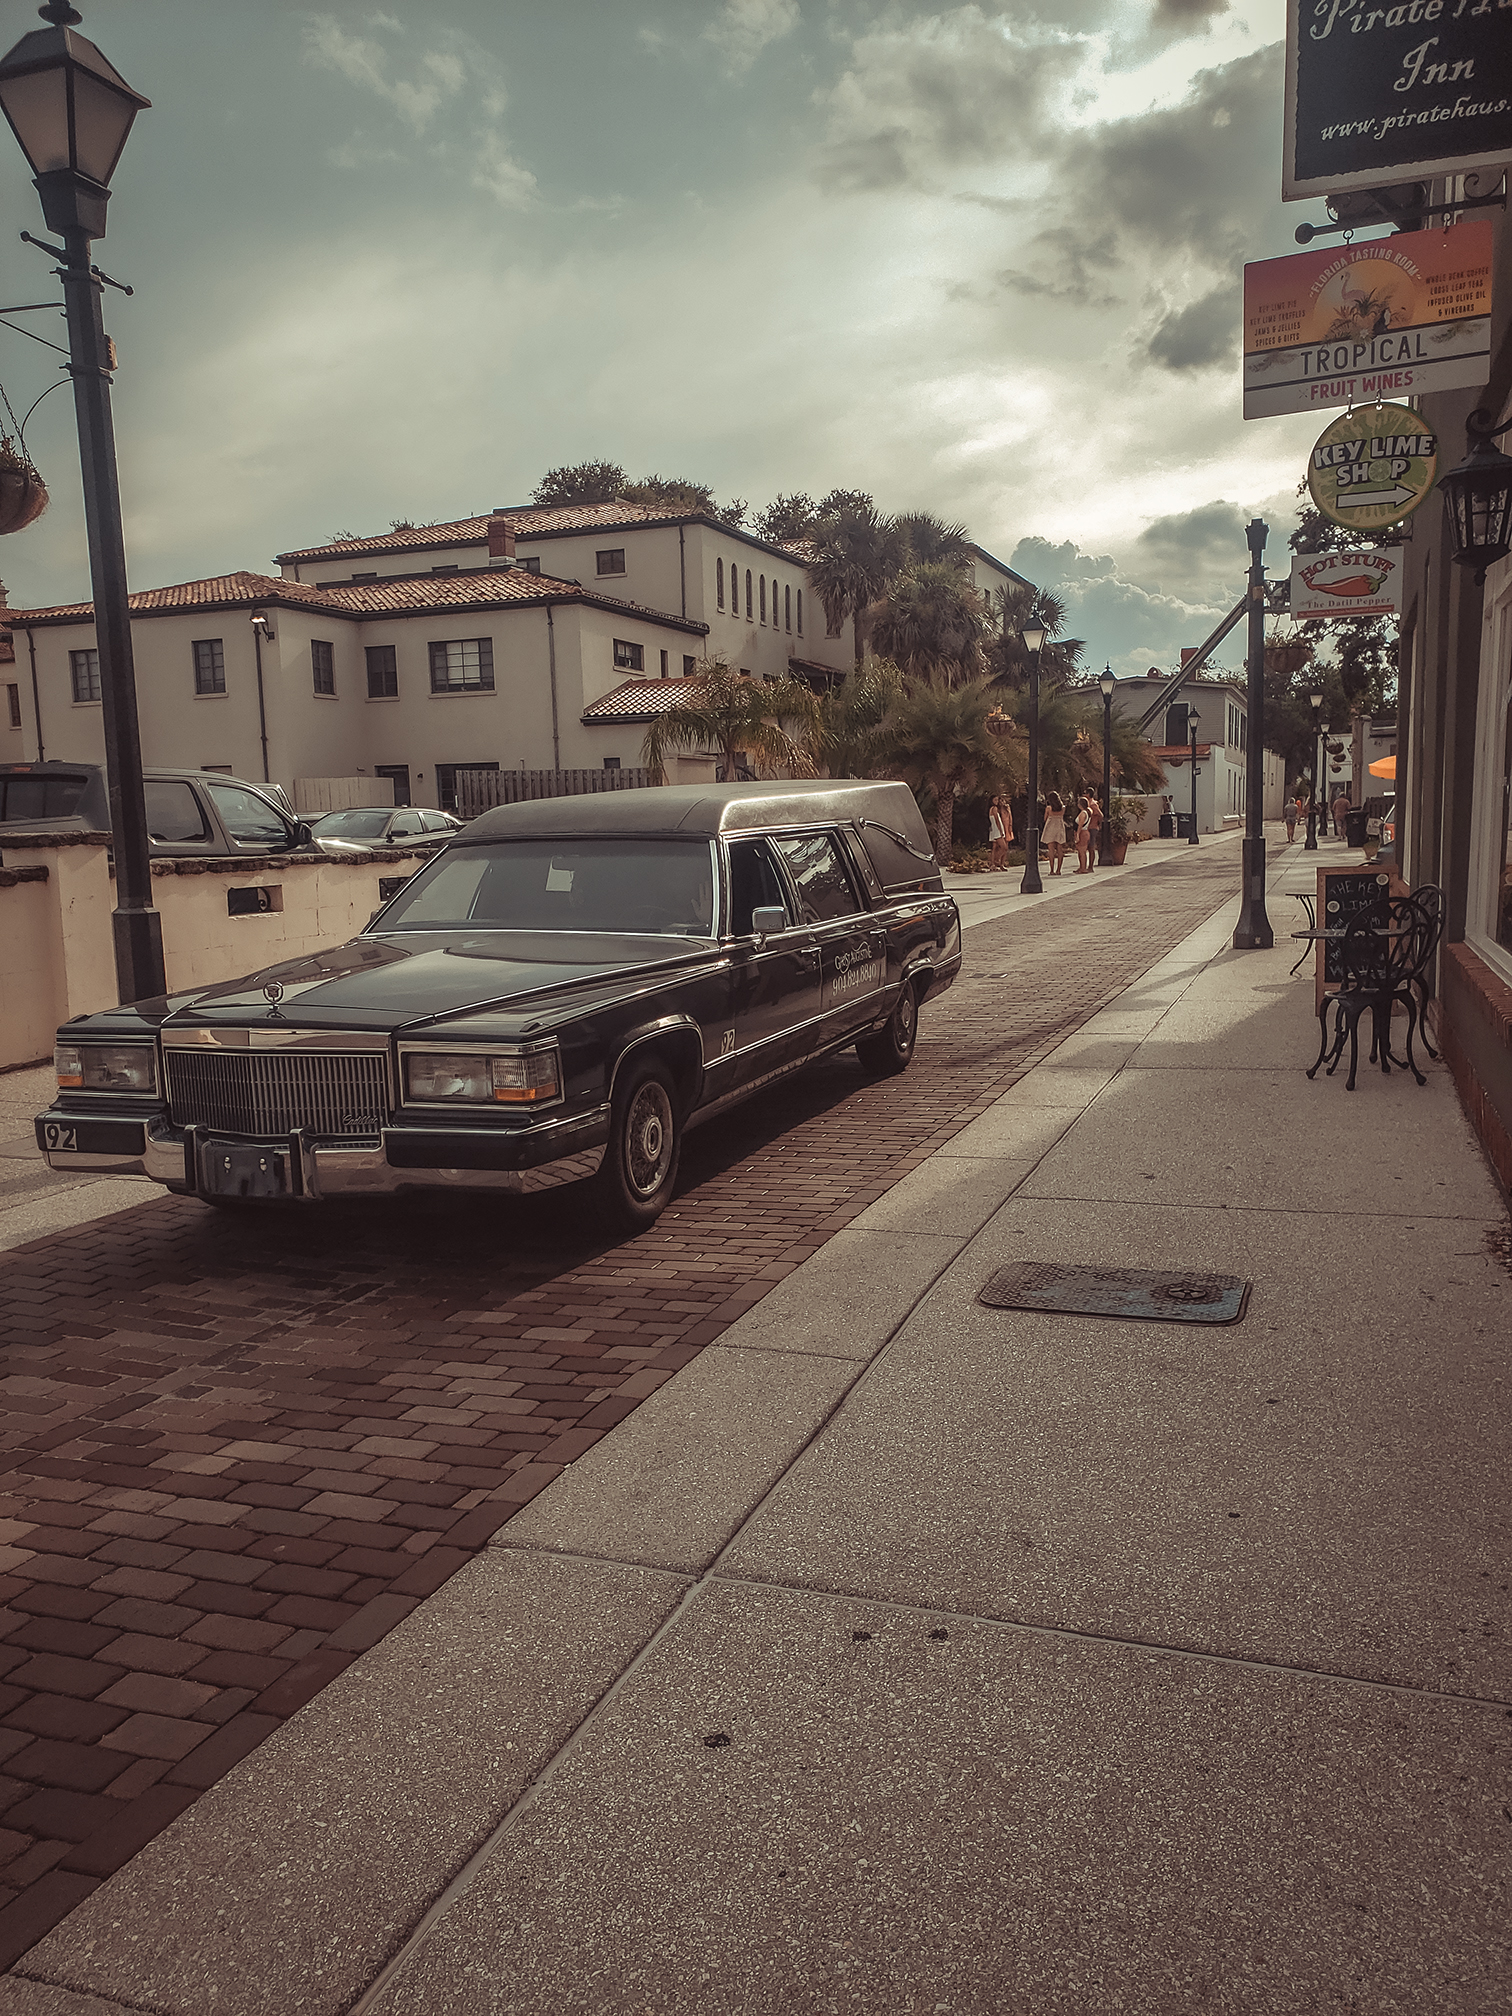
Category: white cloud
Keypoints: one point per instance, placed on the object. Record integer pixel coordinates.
(743, 28)
(416, 98)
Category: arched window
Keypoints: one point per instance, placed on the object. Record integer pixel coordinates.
(763, 598)
(787, 607)
(800, 612)
(719, 581)
(750, 606)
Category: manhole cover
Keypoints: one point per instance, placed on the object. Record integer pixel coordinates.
(1142, 1292)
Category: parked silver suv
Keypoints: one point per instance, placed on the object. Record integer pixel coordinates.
(189, 812)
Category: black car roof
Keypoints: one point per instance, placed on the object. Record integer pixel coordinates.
(691, 811)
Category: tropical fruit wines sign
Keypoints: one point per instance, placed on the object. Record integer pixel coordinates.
(1378, 95)
(1402, 315)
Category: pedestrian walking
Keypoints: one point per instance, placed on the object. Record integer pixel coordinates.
(1000, 832)
(1094, 828)
(1083, 836)
(1289, 813)
(1054, 833)
(1341, 809)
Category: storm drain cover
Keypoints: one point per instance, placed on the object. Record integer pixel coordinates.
(1142, 1292)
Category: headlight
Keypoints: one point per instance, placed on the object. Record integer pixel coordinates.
(101, 1067)
(512, 1078)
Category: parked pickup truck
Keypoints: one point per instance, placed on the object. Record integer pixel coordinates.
(189, 812)
(558, 995)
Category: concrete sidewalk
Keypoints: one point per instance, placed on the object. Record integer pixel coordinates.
(904, 1654)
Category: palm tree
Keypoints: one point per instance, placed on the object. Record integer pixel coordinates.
(739, 716)
(1071, 758)
(930, 623)
(952, 742)
(848, 741)
(931, 542)
(856, 554)
(1007, 660)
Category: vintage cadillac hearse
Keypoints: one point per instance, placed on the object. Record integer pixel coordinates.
(557, 996)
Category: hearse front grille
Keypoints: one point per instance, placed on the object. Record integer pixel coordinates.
(341, 1093)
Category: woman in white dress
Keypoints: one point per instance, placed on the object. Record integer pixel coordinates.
(1054, 831)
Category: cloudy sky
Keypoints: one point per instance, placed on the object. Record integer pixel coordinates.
(397, 260)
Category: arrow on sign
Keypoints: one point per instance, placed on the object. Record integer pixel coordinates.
(1356, 499)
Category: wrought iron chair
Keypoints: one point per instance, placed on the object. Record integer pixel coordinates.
(1385, 953)
(1430, 900)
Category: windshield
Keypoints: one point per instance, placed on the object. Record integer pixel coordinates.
(368, 822)
(661, 886)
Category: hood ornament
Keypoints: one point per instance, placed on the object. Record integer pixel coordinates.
(273, 993)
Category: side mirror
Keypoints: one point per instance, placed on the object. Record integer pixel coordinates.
(767, 919)
(302, 834)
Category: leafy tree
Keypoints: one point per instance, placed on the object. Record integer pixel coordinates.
(676, 494)
(584, 483)
(834, 502)
(856, 555)
(1364, 648)
(1070, 738)
(848, 740)
(787, 518)
(950, 743)
(930, 622)
(770, 721)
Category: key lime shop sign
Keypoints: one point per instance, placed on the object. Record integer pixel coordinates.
(1378, 95)
(1372, 466)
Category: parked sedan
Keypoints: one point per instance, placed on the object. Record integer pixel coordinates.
(559, 994)
(384, 825)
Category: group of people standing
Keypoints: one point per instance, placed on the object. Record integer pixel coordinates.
(1086, 830)
(1294, 813)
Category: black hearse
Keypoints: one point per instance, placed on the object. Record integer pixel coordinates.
(558, 995)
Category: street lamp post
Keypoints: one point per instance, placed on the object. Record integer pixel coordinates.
(1032, 637)
(1105, 838)
(71, 112)
(1253, 932)
(1310, 844)
(1192, 731)
(1324, 820)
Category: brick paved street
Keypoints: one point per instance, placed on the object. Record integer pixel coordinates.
(238, 1452)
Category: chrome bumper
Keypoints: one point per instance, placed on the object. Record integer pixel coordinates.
(569, 1150)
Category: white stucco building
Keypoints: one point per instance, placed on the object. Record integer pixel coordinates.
(1222, 710)
(529, 639)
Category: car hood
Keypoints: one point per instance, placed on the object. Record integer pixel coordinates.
(388, 983)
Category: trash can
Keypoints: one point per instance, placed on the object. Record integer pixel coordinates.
(1185, 825)
(1167, 826)
(1354, 828)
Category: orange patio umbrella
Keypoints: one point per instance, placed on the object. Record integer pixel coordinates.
(1385, 768)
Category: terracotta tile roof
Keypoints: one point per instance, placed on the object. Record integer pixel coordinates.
(639, 700)
(525, 520)
(491, 588)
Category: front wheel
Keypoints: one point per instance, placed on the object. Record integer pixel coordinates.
(634, 1184)
(891, 1049)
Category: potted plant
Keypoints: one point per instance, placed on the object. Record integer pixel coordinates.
(1125, 817)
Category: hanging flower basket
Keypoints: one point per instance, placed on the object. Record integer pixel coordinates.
(1285, 660)
(23, 494)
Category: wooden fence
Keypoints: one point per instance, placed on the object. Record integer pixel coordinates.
(479, 790)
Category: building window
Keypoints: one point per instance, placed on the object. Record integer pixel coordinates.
(664, 664)
(748, 595)
(611, 762)
(628, 657)
(13, 697)
(763, 598)
(787, 607)
(84, 669)
(611, 561)
(719, 582)
(800, 612)
(398, 775)
(689, 662)
(209, 665)
(383, 672)
(464, 665)
(323, 664)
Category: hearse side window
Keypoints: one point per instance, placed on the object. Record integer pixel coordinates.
(898, 866)
(825, 888)
(755, 883)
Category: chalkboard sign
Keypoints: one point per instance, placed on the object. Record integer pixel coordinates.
(1342, 894)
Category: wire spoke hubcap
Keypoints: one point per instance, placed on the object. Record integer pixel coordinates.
(648, 1139)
